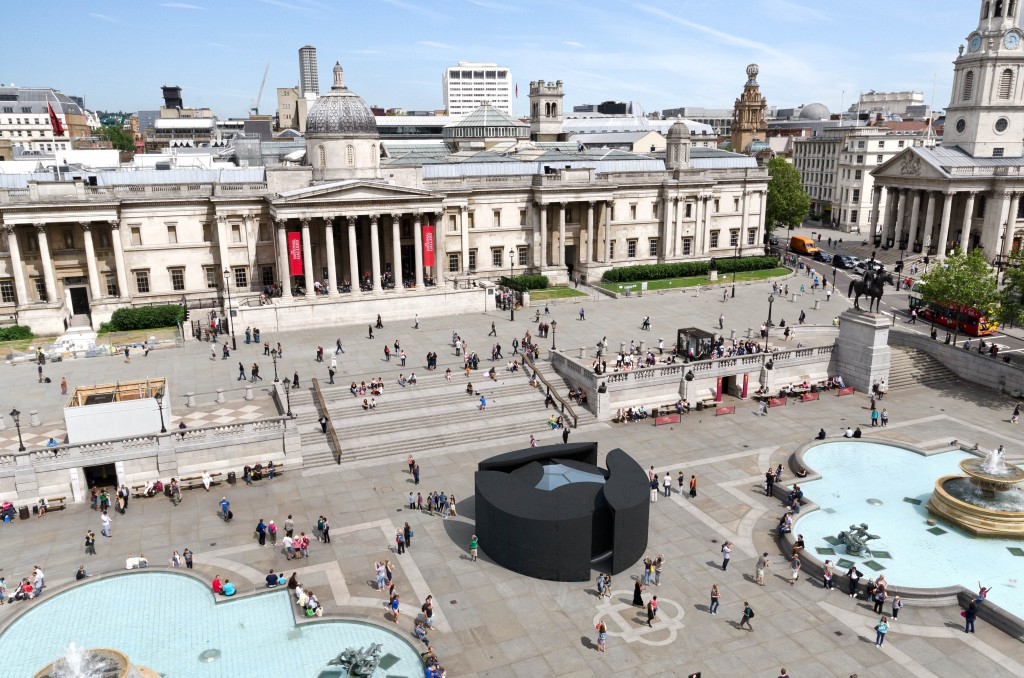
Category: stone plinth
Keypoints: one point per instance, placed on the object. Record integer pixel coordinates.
(863, 353)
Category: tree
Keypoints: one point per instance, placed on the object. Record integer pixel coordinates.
(961, 281)
(118, 137)
(787, 204)
(1011, 297)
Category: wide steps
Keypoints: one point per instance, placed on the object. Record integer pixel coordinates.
(913, 367)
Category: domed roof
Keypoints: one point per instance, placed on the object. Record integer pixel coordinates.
(815, 112)
(678, 130)
(340, 112)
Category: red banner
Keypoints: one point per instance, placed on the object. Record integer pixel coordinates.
(428, 245)
(809, 396)
(666, 419)
(746, 383)
(845, 391)
(725, 409)
(295, 253)
(776, 402)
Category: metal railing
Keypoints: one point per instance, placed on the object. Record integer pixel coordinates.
(332, 435)
(565, 407)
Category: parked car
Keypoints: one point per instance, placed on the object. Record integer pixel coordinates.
(863, 266)
(845, 261)
(822, 256)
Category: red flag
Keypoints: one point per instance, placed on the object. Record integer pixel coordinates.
(428, 245)
(517, 90)
(58, 129)
(295, 253)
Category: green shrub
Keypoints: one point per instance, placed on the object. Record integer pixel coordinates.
(532, 281)
(15, 332)
(686, 269)
(144, 318)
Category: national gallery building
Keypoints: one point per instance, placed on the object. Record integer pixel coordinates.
(354, 226)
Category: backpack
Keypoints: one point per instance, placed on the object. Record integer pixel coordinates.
(751, 616)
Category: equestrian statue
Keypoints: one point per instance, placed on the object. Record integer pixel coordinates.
(872, 287)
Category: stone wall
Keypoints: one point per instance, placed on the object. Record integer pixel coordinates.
(981, 369)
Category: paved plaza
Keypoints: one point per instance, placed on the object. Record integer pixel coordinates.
(492, 622)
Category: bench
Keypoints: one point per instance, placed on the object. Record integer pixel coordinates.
(192, 482)
(55, 504)
(278, 470)
(139, 491)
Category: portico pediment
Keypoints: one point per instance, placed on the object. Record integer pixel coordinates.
(909, 165)
(354, 191)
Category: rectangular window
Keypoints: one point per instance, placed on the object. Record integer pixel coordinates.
(860, 144)
(654, 210)
(853, 216)
(453, 263)
(689, 210)
(687, 246)
(236, 233)
(69, 239)
(632, 212)
(405, 230)
(524, 253)
(878, 160)
(31, 243)
(881, 144)
(997, 152)
(714, 239)
(142, 282)
(40, 284)
(522, 217)
(497, 219)
(242, 278)
(172, 234)
(856, 195)
(611, 250)
(207, 232)
(469, 216)
(7, 291)
(716, 205)
(631, 248)
(453, 223)
(652, 247)
(735, 204)
(857, 175)
(751, 236)
(264, 232)
(860, 159)
(136, 236)
(112, 285)
(472, 260)
(496, 257)
(177, 279)
(900, 143)
(212, 280)
(266, 275)
(104, 238)
(734, 238)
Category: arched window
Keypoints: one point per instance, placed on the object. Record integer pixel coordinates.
(373, 154)
(554, 110)
(350, 155)
(999, 8)
(1012, 11)
(968, 86)
(984, 11)
(547, 109)
(1006, 84)
(536, 110)
(321, 156)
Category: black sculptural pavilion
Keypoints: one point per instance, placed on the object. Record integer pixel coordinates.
(550, 512)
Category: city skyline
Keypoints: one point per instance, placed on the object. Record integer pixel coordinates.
(693, 53)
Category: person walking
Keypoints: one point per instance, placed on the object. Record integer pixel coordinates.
(186, 555)
(583, 315)
(565, 435)
(713, 607)
(721, 321)
(726, 554)
(1013, 418)
(693, 487)
(400, 542)
(970, 614)
(748, 614)
(881, 628)
(638, 599)
(90, 543)
(493, 332)
(602, 636)
(473, 546)
(64, 389)
(667, 484)
(794, 569)
(261, 532)
(763, 563)
(874, 417)
(897, 605)
(105, 521)
(416, 474)
(769, 482)
(884, 417)
(652, 610)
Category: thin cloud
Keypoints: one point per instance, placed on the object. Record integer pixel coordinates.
(409, 7)
(104, 17)
(727, 38)
(217, 44)
(180, 5)
(285, 5)
(793, 10)
(434, 45)
(573, 43)
(497, 6)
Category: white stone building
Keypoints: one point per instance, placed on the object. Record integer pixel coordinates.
(417, 226)
(468, 84)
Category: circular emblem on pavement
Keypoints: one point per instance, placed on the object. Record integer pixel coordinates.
(628, 622)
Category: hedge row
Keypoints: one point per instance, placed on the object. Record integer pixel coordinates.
(686, 269)
(144, 318)
(532, 281)
(15, 332)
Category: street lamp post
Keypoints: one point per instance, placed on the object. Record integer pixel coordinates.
(159, 396)
(768, 331)
(231, 325)
(288, 395)
(511, 281)
(735, 258)
(274, 357)
(554, 325)
(16, 416)
(834, 271)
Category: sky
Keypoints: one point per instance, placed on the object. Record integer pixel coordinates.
(661, 53)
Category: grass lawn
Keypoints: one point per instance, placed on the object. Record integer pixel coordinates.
(693, 281)
(555, 293)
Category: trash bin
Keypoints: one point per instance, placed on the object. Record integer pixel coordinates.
(23, 513)
(231, 477)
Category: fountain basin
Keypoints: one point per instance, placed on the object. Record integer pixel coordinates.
(96, 663)
(978, 520)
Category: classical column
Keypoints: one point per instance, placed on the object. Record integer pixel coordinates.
(590, 234)
(744, 220)
(1011, 224)
(332, 269)
(673, 231)
(605, 212)
(46, 261)
(17, 264)
(663, 228)
(122, 271)
(892, 198)
(417, 227)
(947, 212)
(353, 257)
(222, 242)
(965, 231)
(396, 251)
(876, 198)
(901, 215)
(915, 214)
(283, 260)
(440, 249)
(90, 261)
(307, 258)
(464, 234)
(543, 235)
(375, 252)
(698, 228)
(561, 234)
(929, 224)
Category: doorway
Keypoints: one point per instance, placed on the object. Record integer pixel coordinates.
(570, 258)
(79, 300)
(103, 475)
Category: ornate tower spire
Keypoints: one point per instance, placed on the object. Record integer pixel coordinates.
(339, 77)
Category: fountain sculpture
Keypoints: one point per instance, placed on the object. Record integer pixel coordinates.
(98, 663)
(987, 502)
(856, 539)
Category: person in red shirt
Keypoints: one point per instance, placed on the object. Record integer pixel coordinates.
(218, 588)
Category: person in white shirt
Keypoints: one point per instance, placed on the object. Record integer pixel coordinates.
(289, 547)
(206, 480)
(849, 432)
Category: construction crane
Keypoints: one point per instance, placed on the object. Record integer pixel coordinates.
(259, 95)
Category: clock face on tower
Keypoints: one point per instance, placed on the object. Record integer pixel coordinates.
(975, 43)
(1011, 41)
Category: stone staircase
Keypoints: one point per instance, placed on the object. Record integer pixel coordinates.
(430, 415)
(913, 367)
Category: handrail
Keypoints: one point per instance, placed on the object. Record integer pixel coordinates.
(332, 435)
(528, 360)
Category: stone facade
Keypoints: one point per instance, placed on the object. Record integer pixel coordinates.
(748, 119)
